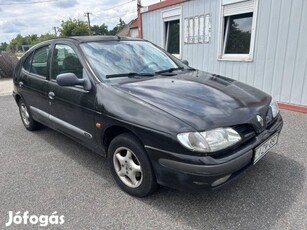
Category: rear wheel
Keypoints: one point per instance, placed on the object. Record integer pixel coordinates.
(26, 117)
(130, 166)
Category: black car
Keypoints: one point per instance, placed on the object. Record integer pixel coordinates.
(157, 120)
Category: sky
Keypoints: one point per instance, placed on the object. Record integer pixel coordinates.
(29, 17)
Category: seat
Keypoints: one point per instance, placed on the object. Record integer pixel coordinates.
(71, 64)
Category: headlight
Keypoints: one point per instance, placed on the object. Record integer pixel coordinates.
(275, 108)
(209, 141)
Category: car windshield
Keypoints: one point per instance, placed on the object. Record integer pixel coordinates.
(112, 59)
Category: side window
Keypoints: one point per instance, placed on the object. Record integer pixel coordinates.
(237, 33)
(172, 37)
(65, 60)
(172, 30)
(238, 24)
(39, 64)
(27, 63)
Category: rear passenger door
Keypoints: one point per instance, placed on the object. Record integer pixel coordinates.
(34, 82)
(71, 108)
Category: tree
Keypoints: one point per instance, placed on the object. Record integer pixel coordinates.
(99, 30)
(121, 24)
(3, 46)
(17, 42)
(73, 27)
(44, 37)
(30, 39)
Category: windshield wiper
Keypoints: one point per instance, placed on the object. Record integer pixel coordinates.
(170, 70)
(191, 69)
(131, 75)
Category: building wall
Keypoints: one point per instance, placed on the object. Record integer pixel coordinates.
(279, 66)
(134, 32)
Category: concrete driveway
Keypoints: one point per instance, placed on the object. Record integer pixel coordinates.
(6, 87)
(44, 171)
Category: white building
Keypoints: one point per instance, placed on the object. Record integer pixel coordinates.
(260, 42)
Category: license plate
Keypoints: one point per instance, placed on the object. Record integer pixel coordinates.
(261, 150)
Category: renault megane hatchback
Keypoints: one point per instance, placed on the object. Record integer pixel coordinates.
(157, 120)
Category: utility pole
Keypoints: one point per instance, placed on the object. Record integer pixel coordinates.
(87, 14)
(55, 30)
(139, 19)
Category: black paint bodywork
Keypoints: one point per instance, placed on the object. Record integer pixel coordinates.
(155, 109)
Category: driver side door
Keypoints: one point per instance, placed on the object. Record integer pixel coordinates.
(72, 109)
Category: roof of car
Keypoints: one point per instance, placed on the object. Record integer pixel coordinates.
(100, 38)
(81, 39)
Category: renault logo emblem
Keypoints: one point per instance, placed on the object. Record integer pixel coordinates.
(260, 120)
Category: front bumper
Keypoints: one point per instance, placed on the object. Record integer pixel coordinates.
(187, 172)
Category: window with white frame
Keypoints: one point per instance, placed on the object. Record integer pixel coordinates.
(237, 29)
(172, 31)
(172, 37)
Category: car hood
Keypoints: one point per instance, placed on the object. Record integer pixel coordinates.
(202, 100)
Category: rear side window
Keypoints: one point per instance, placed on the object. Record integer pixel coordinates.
(40, 61)
(65, 60)
(27, 63)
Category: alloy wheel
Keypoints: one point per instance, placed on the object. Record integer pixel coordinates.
(25, 114)
(127, 167)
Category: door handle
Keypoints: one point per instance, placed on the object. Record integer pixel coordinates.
(51, 95)
(20, 84)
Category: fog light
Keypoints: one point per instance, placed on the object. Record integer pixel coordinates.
(220, 181)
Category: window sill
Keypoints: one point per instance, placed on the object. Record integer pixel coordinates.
(177, 55)
(236, 58)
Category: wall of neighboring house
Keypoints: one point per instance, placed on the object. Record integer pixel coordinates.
(278, 62)
(134, 32)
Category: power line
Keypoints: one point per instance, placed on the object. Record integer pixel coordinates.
(109, 18)
(124, 3)
(26, 3)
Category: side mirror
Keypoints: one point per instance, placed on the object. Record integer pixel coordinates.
(185, 62)
(70, 79)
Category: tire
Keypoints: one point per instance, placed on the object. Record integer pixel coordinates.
(26, 117)
(132, 171)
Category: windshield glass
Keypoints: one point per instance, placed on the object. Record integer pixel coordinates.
(121, 57)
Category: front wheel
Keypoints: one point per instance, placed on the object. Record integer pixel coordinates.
(130, 166)
(26, 117)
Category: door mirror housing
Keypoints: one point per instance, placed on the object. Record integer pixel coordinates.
(185, 62)
(70, 79)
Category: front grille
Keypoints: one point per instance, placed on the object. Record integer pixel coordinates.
(246, 132)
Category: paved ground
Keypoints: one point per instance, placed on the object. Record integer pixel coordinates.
(6, 87)
(44, 171)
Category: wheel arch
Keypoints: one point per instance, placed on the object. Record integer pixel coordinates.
(113, 131)
(17, 98)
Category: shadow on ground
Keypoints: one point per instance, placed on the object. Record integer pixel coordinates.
(76, 152)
